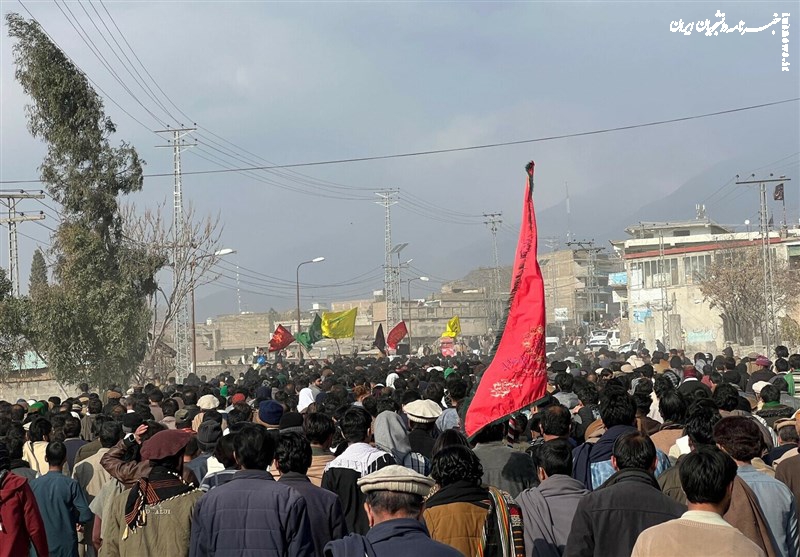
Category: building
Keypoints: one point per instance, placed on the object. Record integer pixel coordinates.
(576, 287)
(665, 263)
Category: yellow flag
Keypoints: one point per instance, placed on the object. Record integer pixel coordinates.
(340, 324)
(453, 328)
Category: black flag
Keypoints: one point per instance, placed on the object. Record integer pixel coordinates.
(778, 195)
(380, 340)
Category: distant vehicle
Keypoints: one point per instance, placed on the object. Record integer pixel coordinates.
(598, 339)
(631, 346)
(551, 344)
(613, 339)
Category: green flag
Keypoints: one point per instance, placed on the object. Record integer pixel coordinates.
(312, 335)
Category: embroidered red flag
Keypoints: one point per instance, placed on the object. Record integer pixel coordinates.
(281, 338)
(396, 335)
(517, 375)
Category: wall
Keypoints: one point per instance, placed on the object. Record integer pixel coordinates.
(36, 385)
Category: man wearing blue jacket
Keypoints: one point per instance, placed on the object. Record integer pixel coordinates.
(252, 514)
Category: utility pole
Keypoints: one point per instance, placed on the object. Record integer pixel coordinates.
(12, 220)
(664, 295)
(388, 197)
(591, 278)
(770, 326)
(183, 344)
(493, 221)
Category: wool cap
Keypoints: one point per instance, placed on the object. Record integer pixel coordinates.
(424, 411)
(270, 413)
(291, 421)
(165, 444)
(626, 368)
(396, 478)
(758, 385)
(181, 415)
(208, 433)
(208, 402)
(238, 397)
(784, 422)
(763, 361)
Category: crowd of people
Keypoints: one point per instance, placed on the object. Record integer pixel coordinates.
(626, 454)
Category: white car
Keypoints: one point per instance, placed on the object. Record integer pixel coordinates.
(598, 339)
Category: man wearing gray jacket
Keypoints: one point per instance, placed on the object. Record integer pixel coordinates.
(547, 510)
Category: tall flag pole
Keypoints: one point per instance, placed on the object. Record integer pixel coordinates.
(517, 375)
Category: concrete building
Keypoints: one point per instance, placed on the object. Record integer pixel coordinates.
(660, 289)
(576, 288)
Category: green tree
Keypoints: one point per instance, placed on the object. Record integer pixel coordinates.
(91, 323)
(38, 278)
(734, 285)
(12, 326)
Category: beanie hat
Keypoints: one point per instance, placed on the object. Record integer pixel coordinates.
(291, 421)
(270, 413)
(208, 434)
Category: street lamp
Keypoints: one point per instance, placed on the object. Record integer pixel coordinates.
(297, 275)
(218, 253)
(408, 286)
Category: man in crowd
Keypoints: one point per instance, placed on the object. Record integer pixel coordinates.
(393, 501)
(503, 467)
(252, 513)
(62, 503)
(293, 458)
(155, 516)
(609, 520)
(740, 438)
(548, 510)
(22, 524)
(592, 462)
(358, 459)
(319, 430)
(707, 476)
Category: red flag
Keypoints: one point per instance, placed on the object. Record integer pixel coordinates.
(517, 375)
(396, 335)
(281, 338)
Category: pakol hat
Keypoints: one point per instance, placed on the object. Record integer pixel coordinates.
(396, 478)
(758, 385)
(165, 444)
(784, 422)
(423, 411)
(208, 402)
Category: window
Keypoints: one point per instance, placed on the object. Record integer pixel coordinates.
(695, 267)
(653, 275)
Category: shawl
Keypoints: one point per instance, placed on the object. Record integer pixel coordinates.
(745, 515)
(502, 533)
(160, 485)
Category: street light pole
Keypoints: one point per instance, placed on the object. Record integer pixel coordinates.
(408, 287)
(297, 276)
(219, 253)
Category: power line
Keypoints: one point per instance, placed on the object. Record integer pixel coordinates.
(468, 148)
(96, 51)
(85, 75)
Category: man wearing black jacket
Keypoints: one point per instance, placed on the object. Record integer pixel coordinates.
(608, 520)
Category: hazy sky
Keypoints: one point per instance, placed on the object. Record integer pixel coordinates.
(301, 82)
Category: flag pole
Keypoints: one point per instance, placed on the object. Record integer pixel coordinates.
(785, 223)
(339, 350)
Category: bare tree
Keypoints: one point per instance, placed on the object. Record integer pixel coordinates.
(734, 284)
(191, 261)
